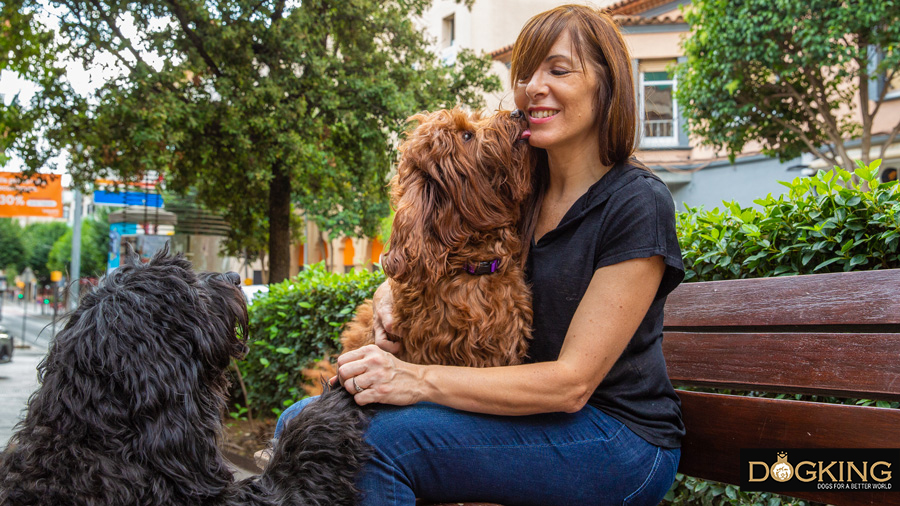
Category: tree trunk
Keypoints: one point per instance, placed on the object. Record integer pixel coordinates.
(279, 225)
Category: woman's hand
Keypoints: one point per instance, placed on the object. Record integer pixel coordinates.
(374, 375)
(383, 307)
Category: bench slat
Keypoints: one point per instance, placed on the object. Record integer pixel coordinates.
(720, 425)
(848, 298)
(842, 365)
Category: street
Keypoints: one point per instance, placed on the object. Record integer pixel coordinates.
(38, 327)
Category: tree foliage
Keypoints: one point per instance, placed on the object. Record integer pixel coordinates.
(12, 249)
(94, 248)
(31, 51)
(795, 76)
(38, 239)
(256, 104)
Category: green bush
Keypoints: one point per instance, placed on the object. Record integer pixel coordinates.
(826, 223)
(295, 323)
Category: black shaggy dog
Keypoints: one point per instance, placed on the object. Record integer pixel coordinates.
(133, 392)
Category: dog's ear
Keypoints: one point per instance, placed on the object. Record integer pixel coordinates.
(519, 181)
(130, 257)
(161, 254)
(416, 234)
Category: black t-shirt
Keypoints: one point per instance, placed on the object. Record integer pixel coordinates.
(627, 214)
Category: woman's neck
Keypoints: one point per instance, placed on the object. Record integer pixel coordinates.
(572, 172)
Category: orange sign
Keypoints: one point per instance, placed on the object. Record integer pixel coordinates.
(28, 199)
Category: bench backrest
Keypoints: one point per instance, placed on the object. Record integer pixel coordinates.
(825, 334)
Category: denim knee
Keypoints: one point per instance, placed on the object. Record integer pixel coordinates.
(290, 413)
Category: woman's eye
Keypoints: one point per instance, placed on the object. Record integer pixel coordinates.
(467, 136)
(559, 72)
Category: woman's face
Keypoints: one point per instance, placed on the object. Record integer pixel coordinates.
(560, 100)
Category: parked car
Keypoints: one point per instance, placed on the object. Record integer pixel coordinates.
(6, 345)
(251, 290)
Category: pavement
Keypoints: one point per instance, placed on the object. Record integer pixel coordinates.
(18, 378)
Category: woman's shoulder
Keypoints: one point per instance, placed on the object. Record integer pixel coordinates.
(640, 186)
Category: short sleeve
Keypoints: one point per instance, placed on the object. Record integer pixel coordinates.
(640, 223)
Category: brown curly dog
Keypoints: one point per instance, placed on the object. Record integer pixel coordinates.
(456, 258)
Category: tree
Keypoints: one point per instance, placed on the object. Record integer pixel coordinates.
(94, 248)
(38, 239)
(796, 76)
(257, 105)
(11, 248)
(31, 51)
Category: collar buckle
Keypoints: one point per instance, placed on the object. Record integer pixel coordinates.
(481, 268)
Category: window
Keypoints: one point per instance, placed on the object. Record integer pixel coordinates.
(449, 47)
(658, 108)
(448, 37)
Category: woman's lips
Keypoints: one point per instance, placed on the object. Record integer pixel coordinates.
(543, 119)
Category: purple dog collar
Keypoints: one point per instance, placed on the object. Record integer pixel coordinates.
(487, 267)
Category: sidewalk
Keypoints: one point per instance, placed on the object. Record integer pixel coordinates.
(18, 379)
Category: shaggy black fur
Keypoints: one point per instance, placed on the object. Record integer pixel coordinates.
(133, 392)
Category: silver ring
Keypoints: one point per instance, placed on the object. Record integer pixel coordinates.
(357, 387)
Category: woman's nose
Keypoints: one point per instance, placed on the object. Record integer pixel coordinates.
(535, 86)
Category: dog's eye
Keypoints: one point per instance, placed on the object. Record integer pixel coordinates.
(467, 136)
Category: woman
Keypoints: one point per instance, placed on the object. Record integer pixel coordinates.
(592, 417)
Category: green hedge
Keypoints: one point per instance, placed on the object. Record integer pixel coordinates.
(295, 323)
(826, 223)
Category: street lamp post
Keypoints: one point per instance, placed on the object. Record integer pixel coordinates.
(2, 294)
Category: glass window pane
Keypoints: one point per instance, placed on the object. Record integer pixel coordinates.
(658, 114)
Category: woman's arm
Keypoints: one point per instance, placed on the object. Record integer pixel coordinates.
(608, 315)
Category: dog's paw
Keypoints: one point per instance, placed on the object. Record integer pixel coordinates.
(262, 457)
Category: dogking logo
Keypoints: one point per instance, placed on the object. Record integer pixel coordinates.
(781, 470)
(844, 469)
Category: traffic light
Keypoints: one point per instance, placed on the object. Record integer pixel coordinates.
(46, 301)
(21, 295)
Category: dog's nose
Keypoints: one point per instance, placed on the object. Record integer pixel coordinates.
(234, 277)
(517, 114)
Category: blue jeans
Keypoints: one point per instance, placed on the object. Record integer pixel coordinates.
(441, 454)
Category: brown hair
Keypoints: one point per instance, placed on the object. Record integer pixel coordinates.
(597, 42)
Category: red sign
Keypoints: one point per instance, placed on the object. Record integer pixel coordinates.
(28, 198)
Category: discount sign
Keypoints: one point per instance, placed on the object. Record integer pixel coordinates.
(29, 197)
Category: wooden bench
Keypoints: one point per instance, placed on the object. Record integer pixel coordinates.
(832, 335)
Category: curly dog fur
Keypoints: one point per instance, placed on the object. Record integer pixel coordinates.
(461, 183)
(132, 394)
